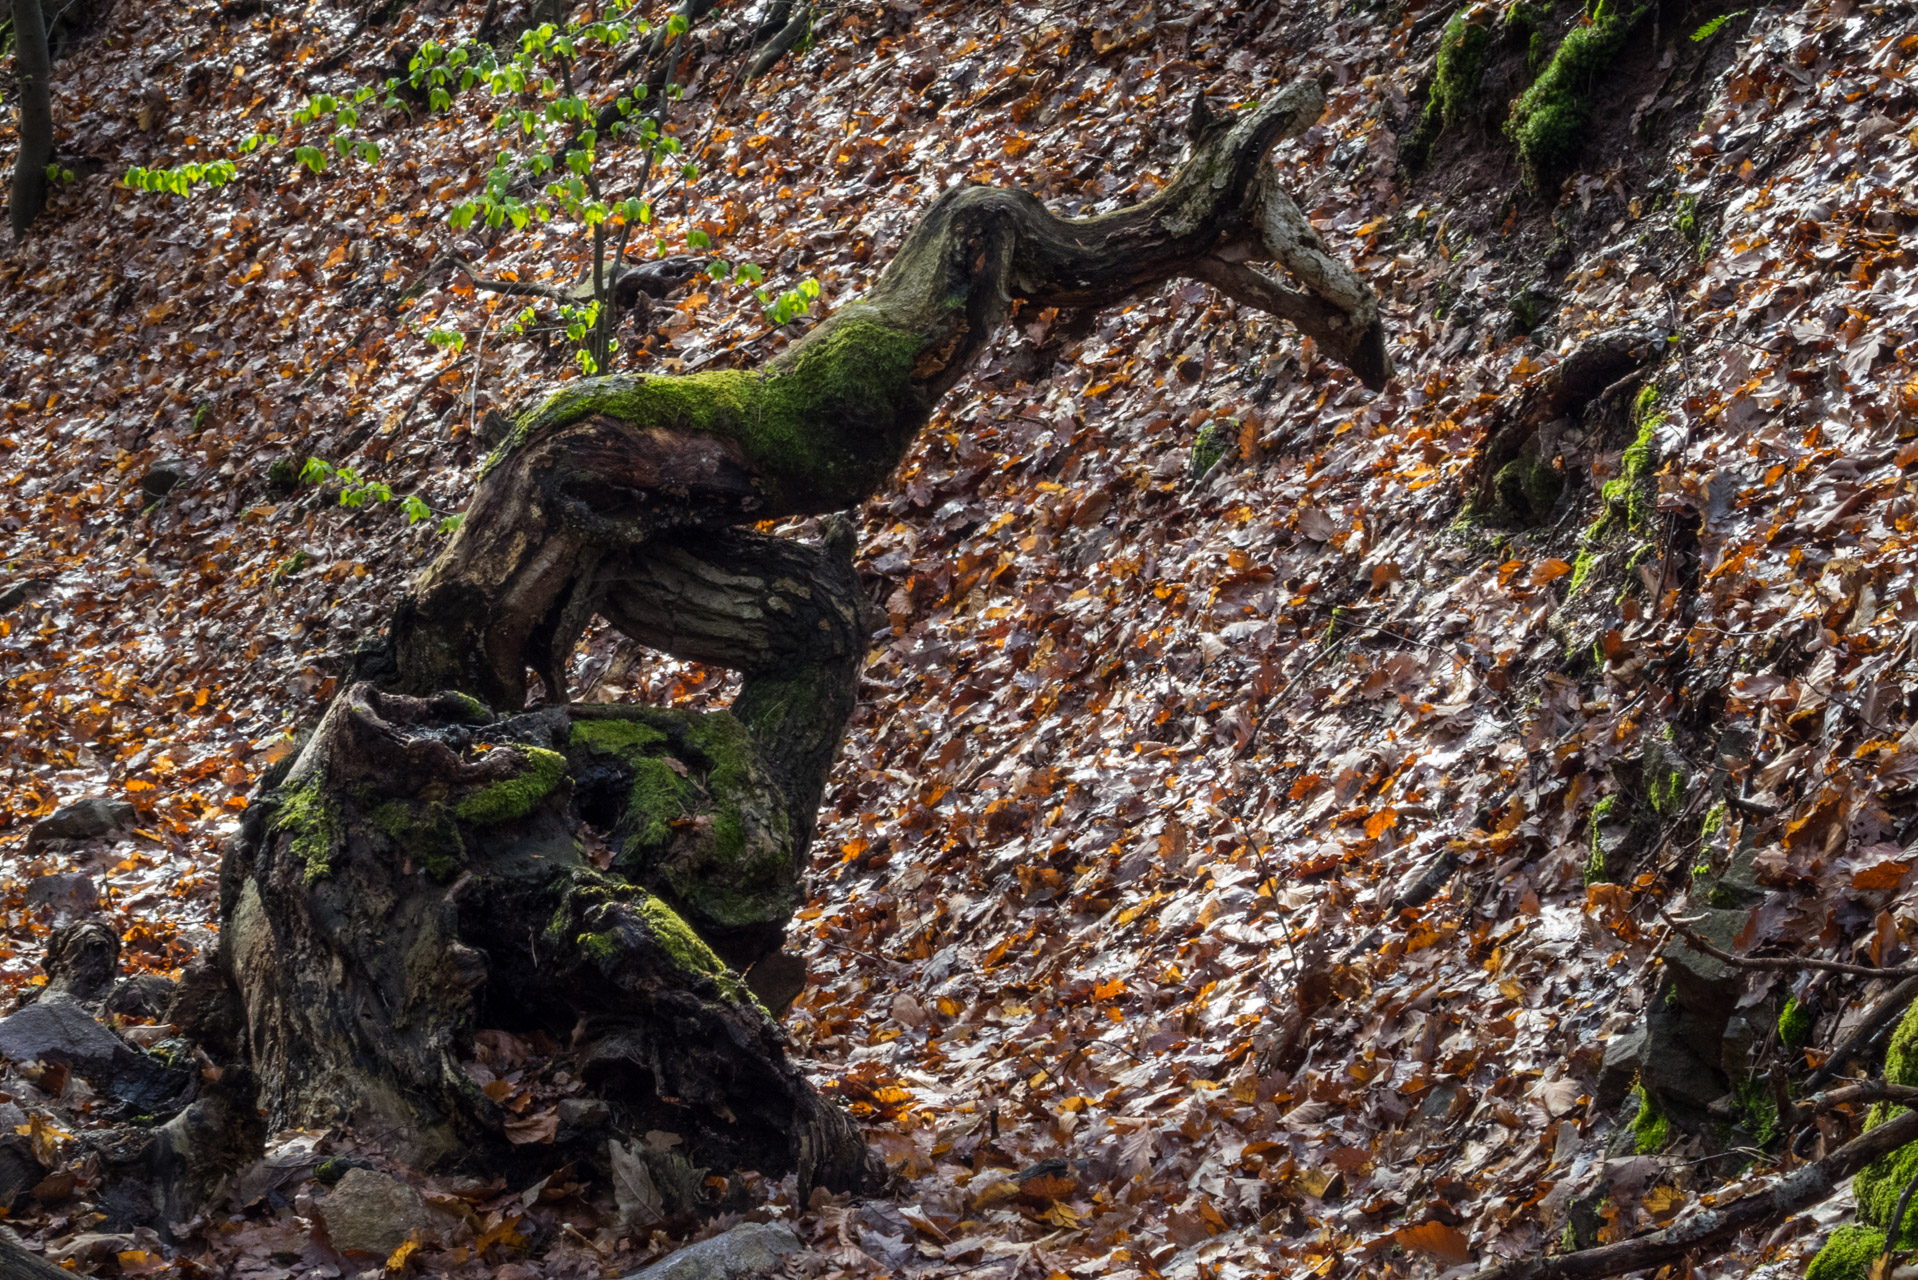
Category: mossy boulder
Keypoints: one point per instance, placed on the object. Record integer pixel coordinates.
(1880, 1183)
(1551, 119)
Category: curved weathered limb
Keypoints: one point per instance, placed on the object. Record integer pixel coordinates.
(610, 463)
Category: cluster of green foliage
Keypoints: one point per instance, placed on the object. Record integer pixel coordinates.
(356, 488)
(547, 169)
(1549, 120)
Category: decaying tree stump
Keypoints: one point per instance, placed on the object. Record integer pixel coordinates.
(419, 874)
(425, 870)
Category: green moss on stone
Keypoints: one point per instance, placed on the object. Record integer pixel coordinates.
(1651, 1127)
(1879, 1184)
(1581, 570)
(519, 795)
(1596, 870)
(658, 798)
(1794, 1023)
(686, 947)
(424, 832)
(625, 740)
(311, 817)
(1455, 81)
(825, 426)
(477, 712)
(1847, 1255)
(1551, 119)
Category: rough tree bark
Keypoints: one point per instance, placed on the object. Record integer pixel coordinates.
(430, 864)
(33, 69)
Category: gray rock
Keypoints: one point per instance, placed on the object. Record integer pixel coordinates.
(1624, 1050)
(1671, 1069)
(749, 1249)
(68, 895)
(88, 818)
(57, 1029)
(370, 1212)
(163, 477)
(1706, 983)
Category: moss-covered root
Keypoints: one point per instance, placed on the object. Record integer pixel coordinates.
(1550, 120)
(517, 796)
(1847, 1255)
(1880, 1183)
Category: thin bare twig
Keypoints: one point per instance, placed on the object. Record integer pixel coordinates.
(1780, 964)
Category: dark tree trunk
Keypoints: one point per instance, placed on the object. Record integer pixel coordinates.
(34, 69)
(431, 864)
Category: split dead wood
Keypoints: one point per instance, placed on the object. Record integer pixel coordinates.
(1714, 1227)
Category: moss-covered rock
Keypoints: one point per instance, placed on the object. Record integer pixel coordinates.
(1847, 1255)
(1455, 80)
(1211, 446)
(1651, 1129)
(423, 831)
(1550, 120)
(310, 817)
(517, 796)
(1879, 1184)
(702, 820)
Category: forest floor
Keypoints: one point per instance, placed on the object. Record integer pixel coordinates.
(1144, 756)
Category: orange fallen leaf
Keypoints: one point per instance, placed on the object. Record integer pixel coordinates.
(1437, 1239)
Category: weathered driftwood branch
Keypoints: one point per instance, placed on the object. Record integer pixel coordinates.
(1714, 1227)
(609, 464)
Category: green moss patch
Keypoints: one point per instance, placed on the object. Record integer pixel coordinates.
(424, 832)
(1794, 1023)
(1596, 869)
(1879, 1184)
(1847, 1255)
(1550, 120)
(311, 817)
(822, 429)
(1455, 80)
(1210, 447)
(519, 795)
(1651, 1127)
